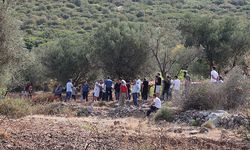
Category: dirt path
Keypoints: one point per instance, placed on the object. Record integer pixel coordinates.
(45, 132)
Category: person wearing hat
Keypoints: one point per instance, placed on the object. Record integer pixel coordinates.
(123, 93)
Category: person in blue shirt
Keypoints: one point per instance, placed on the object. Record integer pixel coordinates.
(85, 91)
(108, 84)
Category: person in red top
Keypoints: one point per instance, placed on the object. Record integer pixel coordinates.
(123, 93)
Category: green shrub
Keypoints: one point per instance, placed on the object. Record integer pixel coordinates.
(41, 21)
(238, 2)
(218, 2)
(82, 112)
(14, 108)
(77, 2)
(163, 114)
(70, 5)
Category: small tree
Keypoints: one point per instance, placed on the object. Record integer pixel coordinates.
(165, 47)
(221, 39)
(121, 49)
(12, 54)
(66, 59)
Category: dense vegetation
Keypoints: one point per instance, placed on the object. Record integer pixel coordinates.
(81, 39)
(43, 21)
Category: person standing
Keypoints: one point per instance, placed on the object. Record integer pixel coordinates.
(166, 88)
(158, 83)
(85, 91)
(97, 91)
(135, 93)
(156, 105)
(123, 93)
(187, 83)
(214, 75)
(129, 89)
(74, 92)
(176, 87)
(145, 90)
(58, 91)
(69, 90)
(117, 89)
(108, 84)
(104, 93)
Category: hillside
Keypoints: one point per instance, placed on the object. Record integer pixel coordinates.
(45, 20)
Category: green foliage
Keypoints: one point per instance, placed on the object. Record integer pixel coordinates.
(12, 55)
(104, 11)
(66, 59)
(218, 2)
(122, 43)
(164, 114)
(239, 2)
(214, 36)
(83, 112)
(200, 68)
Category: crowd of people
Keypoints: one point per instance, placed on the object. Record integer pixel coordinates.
(123, 91)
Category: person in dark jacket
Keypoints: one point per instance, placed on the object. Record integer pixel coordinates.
(85, 91)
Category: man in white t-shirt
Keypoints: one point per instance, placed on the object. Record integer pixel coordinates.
(155, 105)
(69, 89)
(214, 75)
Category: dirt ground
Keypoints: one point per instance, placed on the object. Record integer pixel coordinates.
(103, 133)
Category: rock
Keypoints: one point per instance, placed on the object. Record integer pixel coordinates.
(90, 109)
(194, 132)
(179, 130)
(216, 116)
(116, 123)
(209, 124)
(204, 130)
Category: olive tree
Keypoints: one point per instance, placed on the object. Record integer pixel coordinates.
(121, 49)
(66, 59)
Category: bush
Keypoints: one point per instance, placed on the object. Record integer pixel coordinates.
(164, 114)
(218, 2)
(203, 96)
(41, 21)
(235, 89)
(238, 2)
(232, 94)
(69, 5)
(14, 108)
